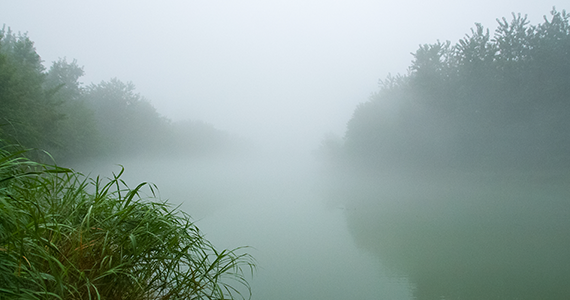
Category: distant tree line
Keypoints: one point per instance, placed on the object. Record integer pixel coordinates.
(53, 111)
(498, 101)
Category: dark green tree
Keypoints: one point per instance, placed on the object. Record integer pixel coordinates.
(28, 112)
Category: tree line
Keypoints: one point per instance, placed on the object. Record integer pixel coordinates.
(50, 109)
(490, 101)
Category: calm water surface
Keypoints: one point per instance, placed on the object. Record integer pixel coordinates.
(299, 239)
(409, 235)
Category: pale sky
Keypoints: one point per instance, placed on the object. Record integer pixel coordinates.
(280, 71)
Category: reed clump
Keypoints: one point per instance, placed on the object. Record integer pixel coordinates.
(67, 236)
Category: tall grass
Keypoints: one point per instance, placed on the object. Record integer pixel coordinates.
(67, 236)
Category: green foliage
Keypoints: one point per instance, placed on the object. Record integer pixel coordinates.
(126, 120)
(53, 111)
(64, 236)
(76, 135)
(28, 113)
(496, 101)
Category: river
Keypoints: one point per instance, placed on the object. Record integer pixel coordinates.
(278, 208)
(417, 235)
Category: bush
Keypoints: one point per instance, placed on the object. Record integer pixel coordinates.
(67, 236)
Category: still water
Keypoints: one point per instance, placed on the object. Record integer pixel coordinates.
(409, 235)
(468, 235)
(301, 242)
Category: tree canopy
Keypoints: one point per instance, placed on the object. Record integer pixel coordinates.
(488, 101)
(53, 111)
(67, 236)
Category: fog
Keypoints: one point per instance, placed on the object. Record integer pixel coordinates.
(282, 72)
(282, 75)
(299, 239)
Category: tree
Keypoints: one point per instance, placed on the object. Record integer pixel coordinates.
(473, 152)
(76, 135)
(52, 110)
(29, 113)
(490, 102)
(126, 120)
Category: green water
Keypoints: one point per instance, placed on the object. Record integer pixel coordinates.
(467, 235)
(412, 235)
(302, 244)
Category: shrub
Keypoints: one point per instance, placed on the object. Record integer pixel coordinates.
(67, 236)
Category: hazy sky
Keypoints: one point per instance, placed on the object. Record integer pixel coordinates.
(295, 69)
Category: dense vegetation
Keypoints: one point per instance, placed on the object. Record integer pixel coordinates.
(64, 236)
(52, 110)
(490, 102)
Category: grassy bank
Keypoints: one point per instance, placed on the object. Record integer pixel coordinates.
(67, 236)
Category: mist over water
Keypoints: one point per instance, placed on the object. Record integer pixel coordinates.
(406, 234)
(278, 205)
(438, 216)
(465, 235)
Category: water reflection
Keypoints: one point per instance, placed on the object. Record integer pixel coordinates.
(466, 236)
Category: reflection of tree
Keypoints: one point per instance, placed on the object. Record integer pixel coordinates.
(467, 236)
